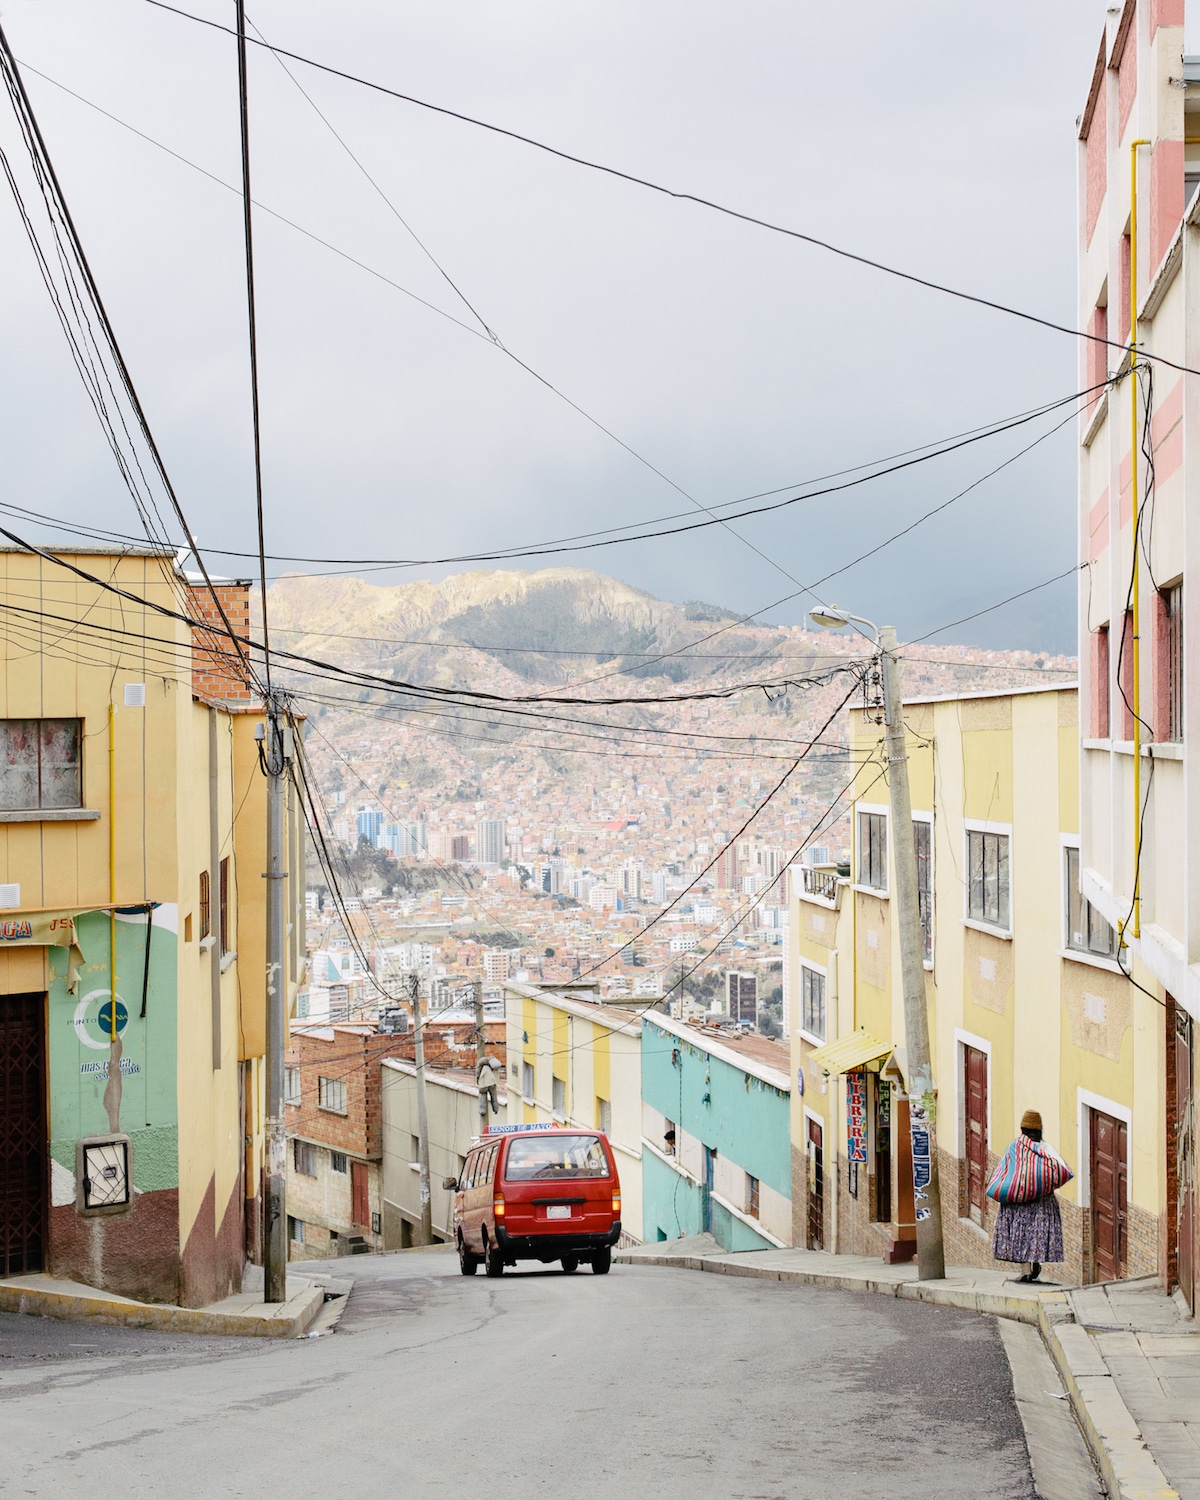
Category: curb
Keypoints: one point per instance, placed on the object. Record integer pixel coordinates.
(1126, 1464)
(1114, 1438)
(290, 1321)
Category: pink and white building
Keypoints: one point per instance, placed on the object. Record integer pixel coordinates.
(1139, 540)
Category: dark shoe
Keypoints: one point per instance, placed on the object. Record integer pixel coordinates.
(1037, 1271)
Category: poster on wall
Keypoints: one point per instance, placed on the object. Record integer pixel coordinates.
(856, 1117)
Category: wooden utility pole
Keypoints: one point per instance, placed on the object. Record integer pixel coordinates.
(480, 1053)
(414, 990)
(922, 1096)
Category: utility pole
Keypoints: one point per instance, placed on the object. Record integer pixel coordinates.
(414, 990)
(480, 1053)
(922, 1096)
(931, 1255)
(275, 743)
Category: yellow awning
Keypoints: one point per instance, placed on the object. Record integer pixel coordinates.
(849, 1053)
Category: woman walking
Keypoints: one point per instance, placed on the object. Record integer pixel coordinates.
(1029, 1225)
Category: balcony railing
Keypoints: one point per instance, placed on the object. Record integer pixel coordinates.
(822, 883)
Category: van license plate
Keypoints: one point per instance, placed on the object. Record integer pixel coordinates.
(559, 1211)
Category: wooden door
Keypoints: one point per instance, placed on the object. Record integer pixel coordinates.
(975, 1109)
(23, 1144)
(1185, 1156)
(361, 1203)
(883, 1150)
(1108, 1187)
(815, 1152)
(710, 1177)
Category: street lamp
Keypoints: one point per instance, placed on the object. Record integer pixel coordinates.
(922, 1097)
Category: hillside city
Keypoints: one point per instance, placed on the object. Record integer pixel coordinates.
(541, 952)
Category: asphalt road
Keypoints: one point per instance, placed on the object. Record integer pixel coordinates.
(649, 1382)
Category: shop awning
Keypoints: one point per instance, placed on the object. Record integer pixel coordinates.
(850, 1053)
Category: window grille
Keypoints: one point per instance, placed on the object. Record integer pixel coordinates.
(331, 1095)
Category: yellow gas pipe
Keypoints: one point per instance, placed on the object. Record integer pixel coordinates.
(1136, 914)
(112, 871)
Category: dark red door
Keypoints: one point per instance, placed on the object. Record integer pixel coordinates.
(816, 1187)
(1109, 1186)
(1185, 1155)
(975, 1098)
(23, 1143)
(358, 1193)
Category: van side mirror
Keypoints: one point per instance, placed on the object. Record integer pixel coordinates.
(450, 1184)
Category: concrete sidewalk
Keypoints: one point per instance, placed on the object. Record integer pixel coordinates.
(245, 1315)
(1128, 1355)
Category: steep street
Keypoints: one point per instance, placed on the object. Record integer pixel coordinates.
(650, 1382)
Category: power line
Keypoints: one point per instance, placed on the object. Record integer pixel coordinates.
(252, 321)
(655, 187)
(45, 168)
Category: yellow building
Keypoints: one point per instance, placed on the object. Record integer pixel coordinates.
(573, 1061)
(132, 935)
(1028, 1007)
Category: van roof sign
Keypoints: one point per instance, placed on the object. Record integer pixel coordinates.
(518, 1129)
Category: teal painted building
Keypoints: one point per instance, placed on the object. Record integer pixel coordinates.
(716, 1136)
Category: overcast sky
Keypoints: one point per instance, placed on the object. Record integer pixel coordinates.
(935, 136)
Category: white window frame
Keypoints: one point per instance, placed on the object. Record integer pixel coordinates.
(288, 1096)
(531, 1096)
(963, 1040)
(1085, 1103)
(559, 1114)
(810, 1036)
(323, 1095)
(1077, 955)
(927, 817)
(980, 825)
(883, 809)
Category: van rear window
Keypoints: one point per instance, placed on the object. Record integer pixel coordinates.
(555, 1156)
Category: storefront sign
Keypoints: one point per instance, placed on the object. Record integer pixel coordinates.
(856, 1117)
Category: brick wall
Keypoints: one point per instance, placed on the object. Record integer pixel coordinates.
(356, 1058)
(217, 672)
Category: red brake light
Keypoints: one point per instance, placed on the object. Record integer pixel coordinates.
(498, 1206)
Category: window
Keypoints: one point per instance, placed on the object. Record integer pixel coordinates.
(1125, 675)
(304, 1158)
(923, 842)
(1087, 931)
(1101, 722)
(295, 1230)
(812, 1003)
(559, 1098)
(291, 1085)
(872, 850)
(555, 1156)
(527, 1083)
(604, 1115)
(40, 764)
(752, 1196)
(668, 1137)
(205, 905)
(331, 1095)
(224, 898)
(1168, 719)
(988, 878)
(337, 1161)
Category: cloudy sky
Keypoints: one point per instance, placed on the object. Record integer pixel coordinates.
(937, 136)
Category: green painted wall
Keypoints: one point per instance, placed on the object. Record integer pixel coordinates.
(747, 1121)
(79, 1047)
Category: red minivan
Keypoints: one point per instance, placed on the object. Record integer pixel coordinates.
(537, 1193)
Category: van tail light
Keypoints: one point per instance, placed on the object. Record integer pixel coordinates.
(498, 1206)
(616, 1200)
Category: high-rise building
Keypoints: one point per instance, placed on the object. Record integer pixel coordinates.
(726, 869)
(741, 996)
(460, 846)
(370, 821)
(489, 841)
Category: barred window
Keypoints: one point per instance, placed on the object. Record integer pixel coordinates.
(990, 896)
(331, 1095)
(337, 1161)
(812, 1003)
(923, 842)
(872, 850)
